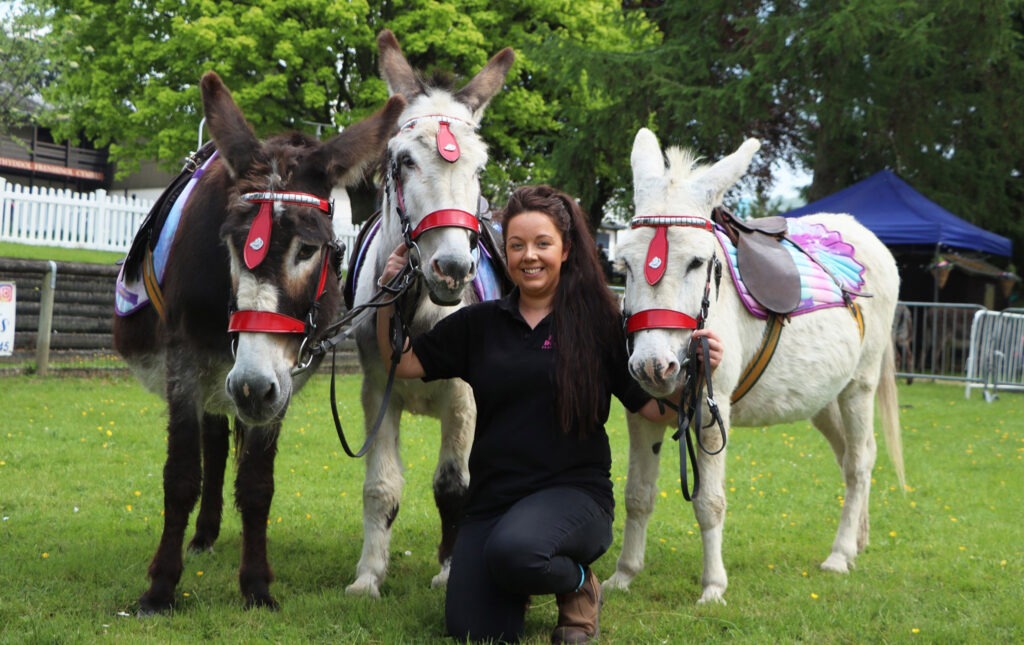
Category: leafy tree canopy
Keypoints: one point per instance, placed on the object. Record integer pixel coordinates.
(23, 68)
(931, 90)
(129, 69)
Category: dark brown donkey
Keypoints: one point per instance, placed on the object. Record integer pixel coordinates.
(250, 282)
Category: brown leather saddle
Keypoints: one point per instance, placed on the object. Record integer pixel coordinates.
(763, 263)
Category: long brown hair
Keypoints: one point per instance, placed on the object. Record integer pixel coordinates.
(585, 315)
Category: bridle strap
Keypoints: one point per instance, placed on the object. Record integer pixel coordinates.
(257, 243)
(657, 252)
(290, 197)
(447, 217)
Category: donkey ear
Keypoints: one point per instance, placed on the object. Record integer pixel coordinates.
(395, 69)
(233, 136)
(647, 160)
(728, 170)
(360, 144)
(477, 93)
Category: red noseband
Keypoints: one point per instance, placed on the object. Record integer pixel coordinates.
(659, 319)
(447, 217)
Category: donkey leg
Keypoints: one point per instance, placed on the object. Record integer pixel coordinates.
(858, 459)
(451, 478)
(830, 422)
(382, 492)
(254, 491)
(709, 507)
(211, 504)
(645, 441)
(182, 482)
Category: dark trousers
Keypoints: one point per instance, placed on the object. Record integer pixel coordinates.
(534, 548)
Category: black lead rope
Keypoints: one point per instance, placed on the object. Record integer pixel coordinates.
(397, 287)
(691, 415)
(690, 409)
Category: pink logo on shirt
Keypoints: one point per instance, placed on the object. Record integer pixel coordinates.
(547, 343)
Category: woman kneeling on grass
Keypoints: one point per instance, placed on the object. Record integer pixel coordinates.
(543, 363)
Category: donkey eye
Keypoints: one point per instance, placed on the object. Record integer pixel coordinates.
(407, 161)
(695, 264)
(305, 252)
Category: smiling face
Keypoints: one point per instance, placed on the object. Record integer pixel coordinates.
(535, 252)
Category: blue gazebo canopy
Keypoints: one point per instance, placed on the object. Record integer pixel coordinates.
(899, 215)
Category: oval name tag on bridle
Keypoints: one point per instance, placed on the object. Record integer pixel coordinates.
(657, 250)
(257, 243)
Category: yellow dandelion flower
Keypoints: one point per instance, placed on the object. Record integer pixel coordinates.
(664, 494)
(45, 555)
(814, 596)
(916, 630)
(128, 507)
(138, 493)
(199, 573)
(892, 533)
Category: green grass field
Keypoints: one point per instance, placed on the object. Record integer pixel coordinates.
(81, 499)
(58, 254)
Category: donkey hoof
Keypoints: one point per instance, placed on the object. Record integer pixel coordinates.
(149, 606)
(440, 581)
(262, 601)
(364, 586)
(200, 545)
(712, 594)
(836, 563)
(619, 581)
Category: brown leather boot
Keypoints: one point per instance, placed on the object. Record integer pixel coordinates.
(578, 613)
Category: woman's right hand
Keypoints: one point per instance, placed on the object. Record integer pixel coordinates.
(396, 262)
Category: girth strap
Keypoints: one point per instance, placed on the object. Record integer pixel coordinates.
(763, 356)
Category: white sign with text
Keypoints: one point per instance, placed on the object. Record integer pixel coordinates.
(8, 299)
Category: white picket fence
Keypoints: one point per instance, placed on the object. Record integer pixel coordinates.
(97, 221)
(64, 218)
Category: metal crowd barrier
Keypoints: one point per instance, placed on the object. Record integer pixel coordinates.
(996, 359)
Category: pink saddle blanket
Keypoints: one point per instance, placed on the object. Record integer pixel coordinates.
(818, 289)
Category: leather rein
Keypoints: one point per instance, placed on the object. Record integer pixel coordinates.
(689, 409)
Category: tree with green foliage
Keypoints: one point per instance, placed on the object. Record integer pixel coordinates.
(129, 69)
(931, 90)
(23, 67)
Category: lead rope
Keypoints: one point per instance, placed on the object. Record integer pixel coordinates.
(689, 408)
(396, 287)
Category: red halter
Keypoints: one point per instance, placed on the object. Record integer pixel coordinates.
(448, 148)
(256, 245)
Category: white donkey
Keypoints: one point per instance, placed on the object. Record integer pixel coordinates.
(825, 360)
(433, 193)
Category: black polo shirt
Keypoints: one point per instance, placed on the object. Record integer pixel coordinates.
(519, 447)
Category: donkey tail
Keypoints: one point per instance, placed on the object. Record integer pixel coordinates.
(889, 407)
